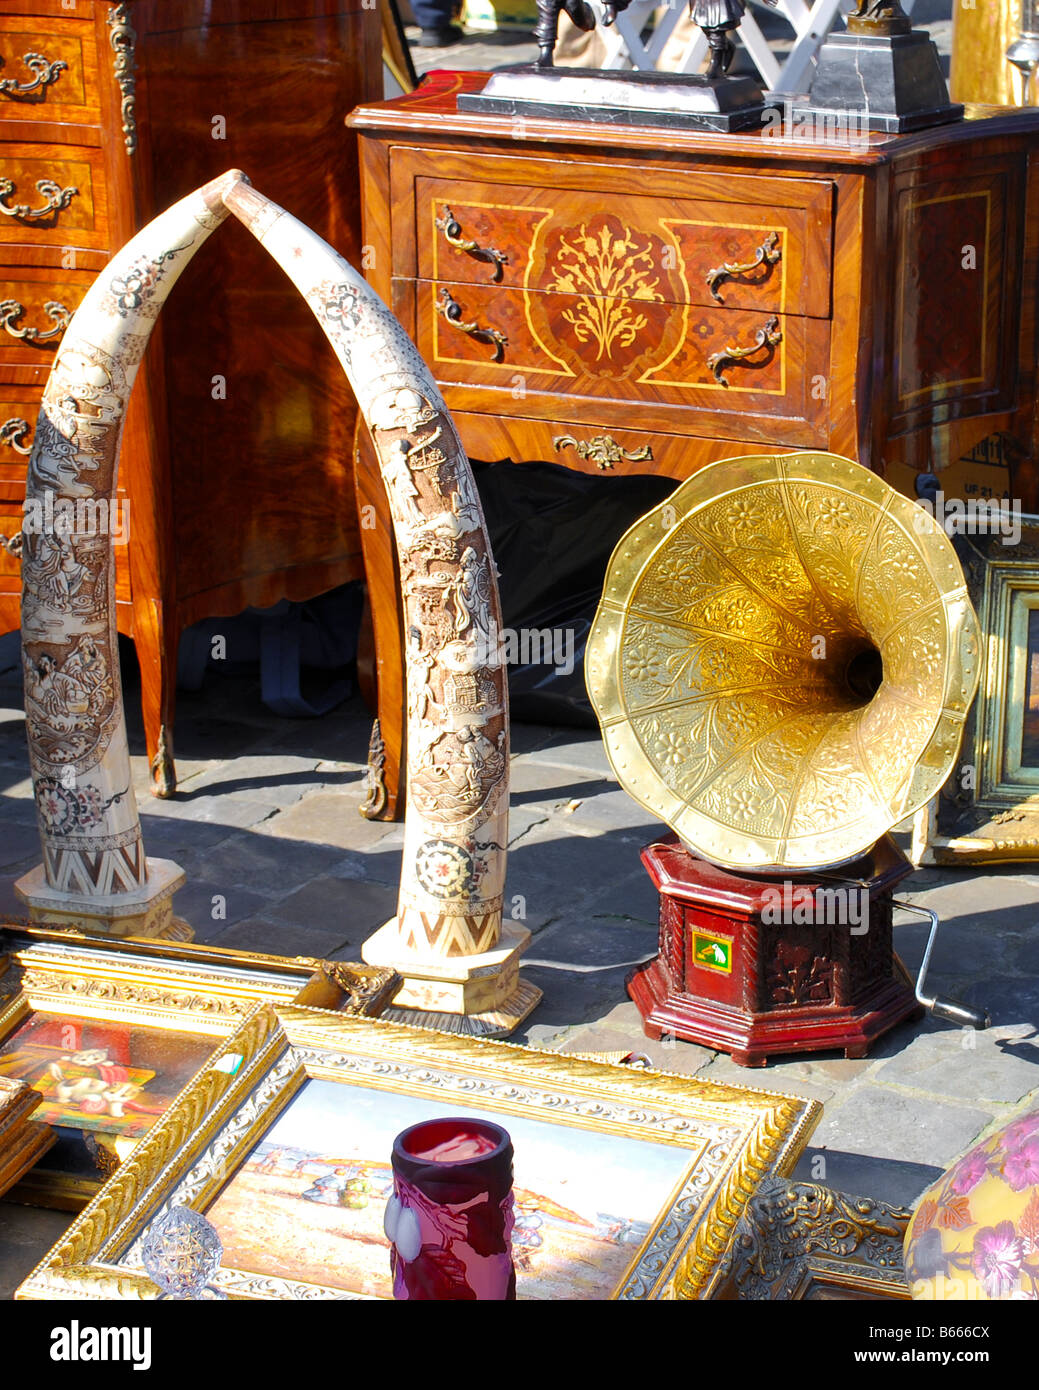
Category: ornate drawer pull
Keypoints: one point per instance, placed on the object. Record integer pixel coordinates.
(13, 544)
(13, 431)
(58, 200)
(766, 337)
(768, 253)
(602, 450)
(452, 230)
(46, 73)
(11, 310)
(451, 310)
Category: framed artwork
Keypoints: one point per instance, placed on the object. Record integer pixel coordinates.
(800, 1242)
(22, 1140)
(627, 1183)
(107, 1034)
(988, 811)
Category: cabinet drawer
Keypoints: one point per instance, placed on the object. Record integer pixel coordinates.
(18, 411)
(47, 302)
(47, 91)
(620, 353)
(79, 219)
(10, 565)
(618, 231)
(588, 449)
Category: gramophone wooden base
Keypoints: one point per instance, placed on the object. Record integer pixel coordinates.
(772, 986)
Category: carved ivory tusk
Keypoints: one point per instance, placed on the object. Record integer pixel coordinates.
(94, 872)
(456, 825)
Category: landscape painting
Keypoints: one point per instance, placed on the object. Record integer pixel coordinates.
(308, 1203)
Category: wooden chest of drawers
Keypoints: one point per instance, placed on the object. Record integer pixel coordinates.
(642, 300)
(63, 208)
(236, 453)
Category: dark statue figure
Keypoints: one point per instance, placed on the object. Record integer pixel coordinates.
(880, 17)
(717, 18)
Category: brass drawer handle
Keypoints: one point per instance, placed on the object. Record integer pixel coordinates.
(602, 450)
(451, 310)
(766, 338)
(452, 230)
(57, 198)
(46, 73)
(768, 253)
(11, 311)
(12, 432)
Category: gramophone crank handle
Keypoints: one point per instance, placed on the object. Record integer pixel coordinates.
(450, 309)
(950, 1009)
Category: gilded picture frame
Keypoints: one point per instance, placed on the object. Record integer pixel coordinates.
(802, 1242)
(23, 1141)
(107, 1032)
(718, 1143)
(988, 810)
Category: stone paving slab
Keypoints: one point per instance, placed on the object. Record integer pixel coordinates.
(26, 1234)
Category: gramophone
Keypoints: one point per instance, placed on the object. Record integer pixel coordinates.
(782, 662)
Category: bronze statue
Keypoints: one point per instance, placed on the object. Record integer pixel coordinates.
(717, 18)
(547, 28)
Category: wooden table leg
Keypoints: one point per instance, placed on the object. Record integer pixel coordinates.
(386, 752)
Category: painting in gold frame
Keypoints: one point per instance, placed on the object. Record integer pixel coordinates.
(988, 810)
(108, 1033)
(707, 1146)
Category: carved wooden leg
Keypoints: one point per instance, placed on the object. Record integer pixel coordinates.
(386, 753)
(156, 641)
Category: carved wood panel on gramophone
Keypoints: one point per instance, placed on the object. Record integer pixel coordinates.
(665, 298)
(239, 432)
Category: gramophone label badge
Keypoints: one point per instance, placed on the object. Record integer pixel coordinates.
(713, 952)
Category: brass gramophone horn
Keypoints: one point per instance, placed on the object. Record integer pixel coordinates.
(782, 661)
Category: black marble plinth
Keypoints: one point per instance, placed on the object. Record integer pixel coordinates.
(631, 98)
(889, 82)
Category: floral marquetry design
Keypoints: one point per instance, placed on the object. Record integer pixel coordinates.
(786, 674)
(612, 269)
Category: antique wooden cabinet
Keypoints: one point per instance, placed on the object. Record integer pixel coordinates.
(236, 453)
(630, 299)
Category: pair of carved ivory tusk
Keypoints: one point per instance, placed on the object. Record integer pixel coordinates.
(457, 734)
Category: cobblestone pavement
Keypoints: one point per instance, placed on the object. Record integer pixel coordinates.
(267, 820)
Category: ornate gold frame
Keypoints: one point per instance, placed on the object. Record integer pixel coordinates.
(801, 1242)
(735, 1138)
(988, 811)
(22, 1141)
(174, 988)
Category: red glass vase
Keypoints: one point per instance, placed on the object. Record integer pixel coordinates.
(450, 1219)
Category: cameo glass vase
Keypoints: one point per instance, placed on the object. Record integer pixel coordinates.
(450, 1219)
